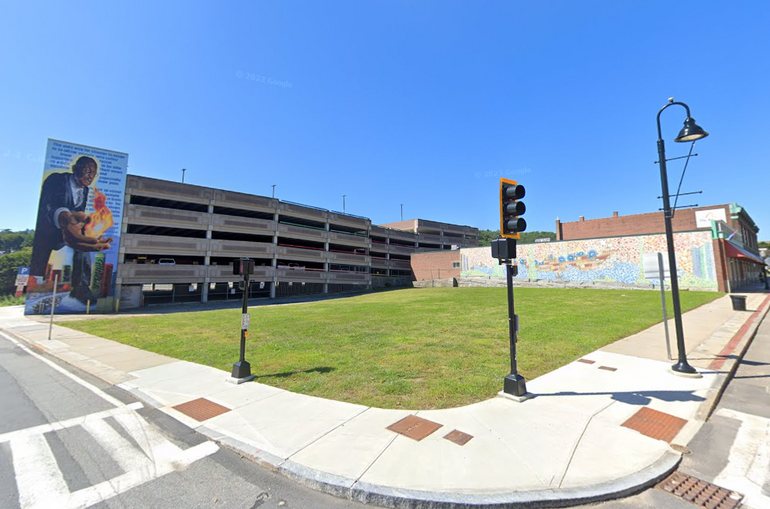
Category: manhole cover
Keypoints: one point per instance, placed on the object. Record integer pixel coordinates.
(701, 493)
(201, 409)
(458, 437)
(655, 424)
(414, 427)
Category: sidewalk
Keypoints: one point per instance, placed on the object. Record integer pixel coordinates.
(599, 428)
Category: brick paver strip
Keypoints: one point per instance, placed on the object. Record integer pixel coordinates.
(655, 424)
(608, 368)
(586, 361)
(201, 409)
(733, 343)
(414, 427)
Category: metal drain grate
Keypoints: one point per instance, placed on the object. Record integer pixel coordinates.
(700, 493)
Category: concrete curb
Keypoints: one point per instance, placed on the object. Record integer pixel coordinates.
(731, 365)
(385, 496)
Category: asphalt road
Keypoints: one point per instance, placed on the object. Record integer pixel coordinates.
(70, 440)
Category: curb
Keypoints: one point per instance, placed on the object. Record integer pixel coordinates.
(384, 496)
(723, 379)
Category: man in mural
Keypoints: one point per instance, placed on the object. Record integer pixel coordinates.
(61, 221)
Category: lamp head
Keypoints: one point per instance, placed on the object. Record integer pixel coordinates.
(690, 132)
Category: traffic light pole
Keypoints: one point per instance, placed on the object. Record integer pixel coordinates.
(514, 384)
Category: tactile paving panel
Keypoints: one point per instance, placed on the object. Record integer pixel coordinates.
(458, 437)
(700, 493)
(201, 409)
(655, 424)
(414, 427)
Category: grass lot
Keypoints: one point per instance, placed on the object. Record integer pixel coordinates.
(415, 348)
(11, 300)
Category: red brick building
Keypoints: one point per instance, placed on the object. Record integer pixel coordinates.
(734, 235)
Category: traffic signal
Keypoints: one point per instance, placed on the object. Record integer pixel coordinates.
(243, 267)
(511, 208)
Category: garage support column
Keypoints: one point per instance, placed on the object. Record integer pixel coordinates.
(327, 274)
(122, 249)
(207, 258)
(274, 261)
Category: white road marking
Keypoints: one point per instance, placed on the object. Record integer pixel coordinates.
(38, 479)
(749, 459)
(66, 373)
(75, 421)
(41, 484)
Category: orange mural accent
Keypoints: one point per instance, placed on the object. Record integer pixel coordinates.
(101, 218)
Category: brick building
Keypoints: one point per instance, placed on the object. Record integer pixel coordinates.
(733, 233)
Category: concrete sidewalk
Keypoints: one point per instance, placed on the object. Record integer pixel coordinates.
(601, 427)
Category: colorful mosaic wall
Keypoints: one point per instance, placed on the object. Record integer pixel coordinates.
(617, 260)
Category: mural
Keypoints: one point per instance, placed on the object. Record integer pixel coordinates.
(614, 260)
(77, 234)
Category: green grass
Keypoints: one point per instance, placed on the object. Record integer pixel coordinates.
(415, 348)
(11, 300)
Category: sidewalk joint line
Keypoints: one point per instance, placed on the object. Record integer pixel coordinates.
(327, 432)
(387, 446)
(577, 442)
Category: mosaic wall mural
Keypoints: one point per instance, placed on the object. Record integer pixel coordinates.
(602, 260)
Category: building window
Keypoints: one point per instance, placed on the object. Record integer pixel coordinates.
(455, 265)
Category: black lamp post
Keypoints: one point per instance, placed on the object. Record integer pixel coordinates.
(690, 132)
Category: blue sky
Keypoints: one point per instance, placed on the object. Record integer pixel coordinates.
(424, 104)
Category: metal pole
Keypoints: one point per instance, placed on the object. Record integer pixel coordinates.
(53, 304)
(245, 311)
(343, 203)
(273, 190)
(682, 366)
(663, 298)
(183, 170)
(242, 369)
(402, 211)
(514, 383)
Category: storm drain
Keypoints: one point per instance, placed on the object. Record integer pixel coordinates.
(700, 493)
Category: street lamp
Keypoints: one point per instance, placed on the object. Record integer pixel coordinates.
(690, 132)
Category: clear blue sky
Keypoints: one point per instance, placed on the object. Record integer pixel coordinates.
(394, 102)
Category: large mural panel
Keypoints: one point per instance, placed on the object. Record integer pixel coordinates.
(612, 260)
(77, 234)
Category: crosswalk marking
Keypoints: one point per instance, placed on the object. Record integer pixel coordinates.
(120, 449)
(41, 484)
(749, 458)
(35, 467)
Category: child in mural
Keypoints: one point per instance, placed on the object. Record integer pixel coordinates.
(62, 221)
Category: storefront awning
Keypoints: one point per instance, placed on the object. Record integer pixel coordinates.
(735, 251)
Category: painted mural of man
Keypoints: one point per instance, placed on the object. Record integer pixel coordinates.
(61, 221)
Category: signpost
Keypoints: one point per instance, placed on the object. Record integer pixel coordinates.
(656, 267)
(242, 369)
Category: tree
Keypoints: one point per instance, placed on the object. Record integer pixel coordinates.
(9, 267)
(487, 236)
(13, 241)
